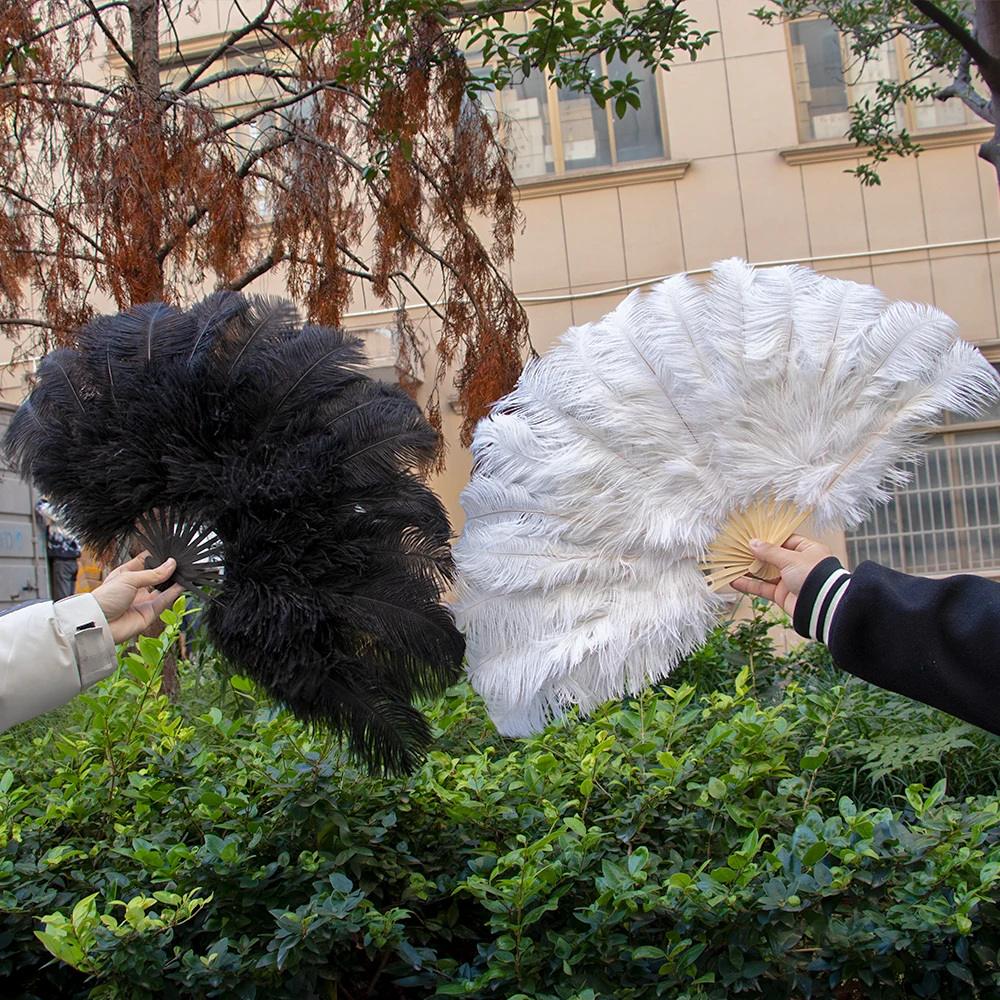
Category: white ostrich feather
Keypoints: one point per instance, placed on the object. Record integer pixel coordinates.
(603, 478)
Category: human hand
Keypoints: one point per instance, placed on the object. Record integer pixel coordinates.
(795, 560)
(128, 601)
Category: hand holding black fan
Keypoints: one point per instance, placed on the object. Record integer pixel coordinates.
(258, 454)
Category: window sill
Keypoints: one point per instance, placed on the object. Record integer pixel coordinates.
(938, 138)
(596, 179)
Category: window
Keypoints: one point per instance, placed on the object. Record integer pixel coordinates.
(827, 83)
(552, 131)
(940, 114)
(947, 519)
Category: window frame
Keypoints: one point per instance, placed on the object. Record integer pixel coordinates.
(558, 152)
(901, 52)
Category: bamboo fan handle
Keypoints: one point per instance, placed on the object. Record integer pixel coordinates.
(729, 556)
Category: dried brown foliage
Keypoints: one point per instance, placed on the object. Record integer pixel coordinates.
(142, 171)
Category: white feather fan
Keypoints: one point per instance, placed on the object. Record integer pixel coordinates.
(658, 441)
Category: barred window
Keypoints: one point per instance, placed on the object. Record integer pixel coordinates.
(947, 518)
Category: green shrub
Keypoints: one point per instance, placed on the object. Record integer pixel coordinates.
(753, 828)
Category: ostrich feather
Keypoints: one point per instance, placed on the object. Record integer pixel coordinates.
(284, 480)
(602, 479)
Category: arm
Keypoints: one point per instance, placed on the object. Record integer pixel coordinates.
(937, 641)
(50, 652)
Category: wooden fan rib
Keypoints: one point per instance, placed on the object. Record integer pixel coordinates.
(728, 556)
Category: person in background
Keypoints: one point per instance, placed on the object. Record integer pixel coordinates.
(936, 641)
(51, 651)
(63, 552)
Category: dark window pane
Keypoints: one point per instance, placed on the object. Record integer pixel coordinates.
(638, 135)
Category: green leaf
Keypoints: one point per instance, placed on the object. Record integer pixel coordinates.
(815, 853)
(813, 758)
(989, 873)
(648, 951)
(150, 650)
(85, 913)
(962, 972)
(341, 882)
(716, 788)
(638, 859)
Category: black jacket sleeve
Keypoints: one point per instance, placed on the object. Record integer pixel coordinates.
(937, 641)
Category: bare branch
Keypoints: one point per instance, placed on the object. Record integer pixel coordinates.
(57, 254)
(40, 323)
(53, 29)
(109, 35)
(42, 82)
(49, 214)
(262, 109)
(251, 274)
(420, 293)
(226, 44)
(243, 71)
(963, 89)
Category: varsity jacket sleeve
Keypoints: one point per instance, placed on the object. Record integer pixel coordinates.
(937, 641)
(50, 652)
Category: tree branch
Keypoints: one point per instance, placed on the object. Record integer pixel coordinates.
(42, 82)
(262, 109)
(40, 323)
(72, 20)
(228, 42)
(986, 61)
(109, 35)
(963, 89)
(267, 72)
(192, 220)
(262, 267)
(72, 102)
(49, 214)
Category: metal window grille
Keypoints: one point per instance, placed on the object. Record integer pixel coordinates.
(946, 520)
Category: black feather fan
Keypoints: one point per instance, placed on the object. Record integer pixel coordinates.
(256, 453)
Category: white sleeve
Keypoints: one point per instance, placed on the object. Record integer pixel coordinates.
(49, 653)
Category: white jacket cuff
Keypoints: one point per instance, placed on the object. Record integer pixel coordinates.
(81, 618)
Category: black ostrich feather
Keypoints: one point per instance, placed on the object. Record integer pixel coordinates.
(257, 453)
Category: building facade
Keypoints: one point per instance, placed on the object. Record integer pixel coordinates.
(750, 161)
(741, 153)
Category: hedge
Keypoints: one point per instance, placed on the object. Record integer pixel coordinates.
(761, 825)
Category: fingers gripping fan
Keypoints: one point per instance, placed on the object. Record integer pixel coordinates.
(616, 488)
(256, 452)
